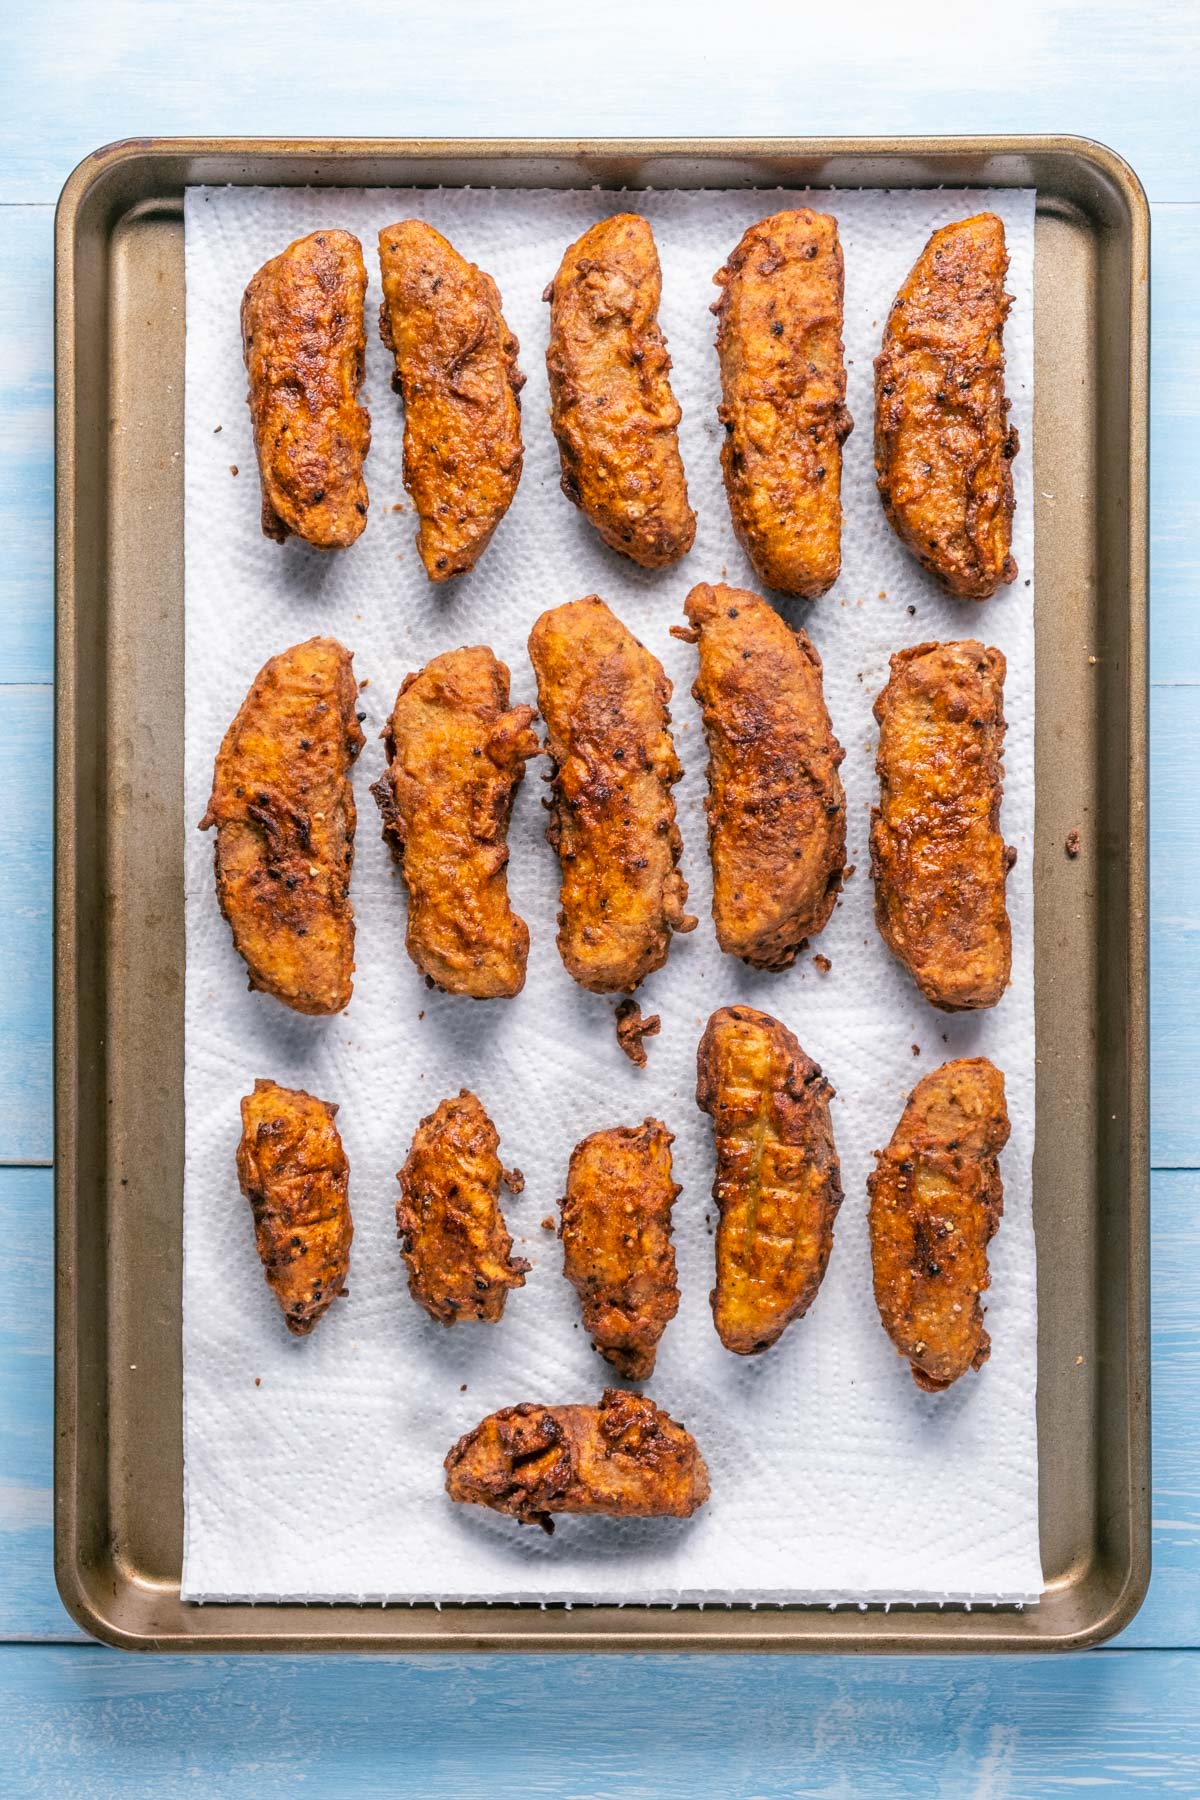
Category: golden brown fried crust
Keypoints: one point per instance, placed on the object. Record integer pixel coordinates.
(633, 1030)
(938, 860)
(456, 367)
(624, 1458)
(451, 1229)
(616, 1236)
(783, 387)
(778, 1184)
(936, 1200)
(293, 1171)
(943, 444)
(304, 343)
(604, 699)
(776, 807)
(456, 755)
(611, 404)
(284, 811)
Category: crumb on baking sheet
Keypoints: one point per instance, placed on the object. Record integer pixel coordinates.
(1072, 845)
(632, 1028)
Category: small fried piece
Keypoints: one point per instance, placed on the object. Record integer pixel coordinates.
(633, 1029)
(456, 368)
(943, 444)
(283, 807)
(604, 699)
(294, 1172)
(451, 1229)
(611, 405)
(456, 755)
(305, 343)
(778, 1184)
(783, 398)
(938, 860)
(616, 1237)
(936, 1200)
(776, 807)
(624, 1458)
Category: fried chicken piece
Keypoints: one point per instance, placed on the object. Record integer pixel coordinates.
(938, 860)
(778, 1184)
(776, 807)
(611, 405)
(783, 388)
(616, 1236)
(456, 368)
(304, 342)
(633, 1029)
(451, 1229)
(456, 755)
(283, 807)
(624, 1458)
(936, 1200)
(293, 1171)
(943, 444)
(604, 699)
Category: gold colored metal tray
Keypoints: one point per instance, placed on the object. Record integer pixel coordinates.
(120, 944)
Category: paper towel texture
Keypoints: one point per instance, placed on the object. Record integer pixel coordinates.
(314, 1466)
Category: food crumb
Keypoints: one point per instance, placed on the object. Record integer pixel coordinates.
(1078, 1360)
(216, 428)
(421, 1014)
(257, 1378)
(632, 1028)
(823, 963)
(233, 468)
(912, 612)
(883, 593)
(548, 1222)
(916, 1049)
(848, 871)
(513, 1180)
(1072, 844)
(463, 1388)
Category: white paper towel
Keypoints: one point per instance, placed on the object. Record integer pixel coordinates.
(314, 1466)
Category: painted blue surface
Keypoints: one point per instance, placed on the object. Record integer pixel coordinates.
(78, 1719)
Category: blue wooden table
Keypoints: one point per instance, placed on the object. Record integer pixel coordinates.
(75, 1718)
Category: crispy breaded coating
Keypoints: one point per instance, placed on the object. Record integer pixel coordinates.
(294, 1172)
(624, 1458)
(616, 1237)
(936, 1200)
(456, 368)
(776, 807)
(611, 405)
(943, 444)
(283, 807)
(633, 1029)
(778, 1183)
(451, 1229)
(783, 398)
(604, 699)
(456, 755)
(938, 860)
(304, 342)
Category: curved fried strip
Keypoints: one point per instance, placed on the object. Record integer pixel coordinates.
(456, 754)
(304, 343)
(624, 1458)
(611, 404)
(936, 1200)
(284, 811)
(456, 367)
(943, 444)
(293, 1171)
(938, 860)
(778, 1184)
(604, 699)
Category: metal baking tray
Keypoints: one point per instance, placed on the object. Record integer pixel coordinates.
(120, 944)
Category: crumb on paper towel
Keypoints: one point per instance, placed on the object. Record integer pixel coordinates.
(1072, 845)
(823, 963)
(632, 1028)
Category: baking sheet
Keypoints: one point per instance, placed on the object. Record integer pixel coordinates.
(833, 1477)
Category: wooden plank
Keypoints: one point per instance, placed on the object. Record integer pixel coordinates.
(25, 923)
(1174, 445)
(1175, 926)
(174, 66)
(27, 445)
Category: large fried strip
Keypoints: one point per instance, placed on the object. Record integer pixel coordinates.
(294, 1172)
(625, 1458)
(936, 1200)
(304, 342)
(452, 1232)
(604, 699)
(456, 367)
(611, 404)
(778, 1184)
(456, 754)
(776, 807)
(943, 444)
(284, 811)
(938, 860)
(783, 388)
(616, 1235)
